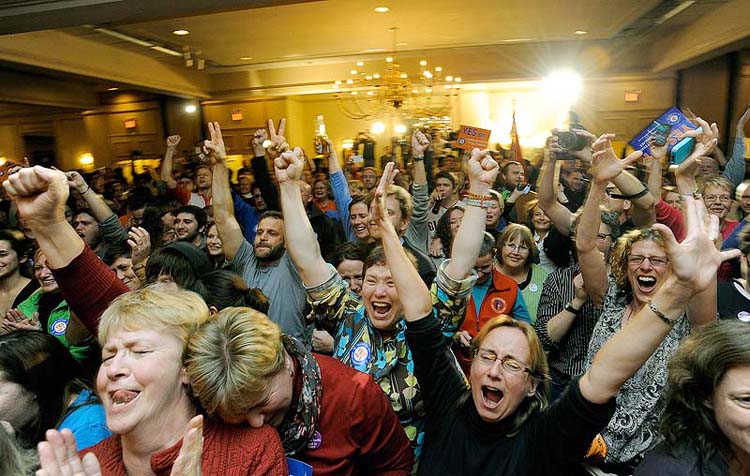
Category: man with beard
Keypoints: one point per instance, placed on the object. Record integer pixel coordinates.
(264, 264)
(189, 225)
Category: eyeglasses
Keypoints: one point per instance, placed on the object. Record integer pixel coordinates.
(602, 236)
(517, 248)
(483, 269)
(509, 364)
(717, 198)
(658, 261)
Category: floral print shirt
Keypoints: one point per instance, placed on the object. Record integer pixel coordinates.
(386, 355)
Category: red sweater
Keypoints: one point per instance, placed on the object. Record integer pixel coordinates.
(227, 451)
(89, 286)
(358, 432)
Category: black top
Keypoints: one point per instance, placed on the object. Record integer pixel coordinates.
(683, 460)
(733, 302)
(458, 442)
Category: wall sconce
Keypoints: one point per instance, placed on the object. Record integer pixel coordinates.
(130, 124)
(237, 115)
(86, 159)
(632, 95)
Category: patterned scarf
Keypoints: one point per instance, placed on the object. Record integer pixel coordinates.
(301, 421)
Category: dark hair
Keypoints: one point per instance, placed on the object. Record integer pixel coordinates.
(507, 165)
(42, 365)
(200, 214)
(87, 211)
(114, 252)
(152, 224)
(271, 214)
(443, 229)
(559, 248)
(351, 250)
(224, 289)
(446, 175)
(698, 367)
(138, 198)
(23, 248)
(356, 200)
(377, 258)
(172, 262)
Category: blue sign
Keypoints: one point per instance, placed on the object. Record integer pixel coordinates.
(298, 468)
(673, 118)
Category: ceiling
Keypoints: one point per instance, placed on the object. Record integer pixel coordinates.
(248, 45)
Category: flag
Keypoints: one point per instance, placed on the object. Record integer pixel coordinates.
(515, 144)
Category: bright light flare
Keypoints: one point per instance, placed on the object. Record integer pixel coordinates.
(563, 86)
(378, 128)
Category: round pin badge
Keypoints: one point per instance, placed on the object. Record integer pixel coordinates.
(533, 288)
(744, 316)
(360, 353)
(315, 441)
(58, 327)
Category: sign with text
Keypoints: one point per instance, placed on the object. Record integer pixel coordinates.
(673, 123)
(470, 137)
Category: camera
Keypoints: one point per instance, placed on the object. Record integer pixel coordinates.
(570, 140)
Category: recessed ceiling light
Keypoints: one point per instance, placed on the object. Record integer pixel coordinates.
(112, 89)
(581, 32)
(360, 63)
(401, 43)
(180, 32)
(382, 9)
(246, 58)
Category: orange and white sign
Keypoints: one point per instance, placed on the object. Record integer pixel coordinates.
(470, 137)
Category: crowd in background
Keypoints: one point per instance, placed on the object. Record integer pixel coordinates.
(455, 312)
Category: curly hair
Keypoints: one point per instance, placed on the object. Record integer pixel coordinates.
(621, 253)
(695, 371)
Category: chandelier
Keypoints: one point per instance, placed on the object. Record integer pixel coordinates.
(365, 95)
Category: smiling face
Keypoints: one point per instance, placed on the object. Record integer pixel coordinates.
(186, 227)
(320, 190)
(123, 267)
(43, 275)
(540, 221)
(731, 404)
(382, 303)
(514, 253)
(717, 200)
(142, 383)
(213, 242)
(8, 260)
(359, 217)
(497, 393)
(646, 277)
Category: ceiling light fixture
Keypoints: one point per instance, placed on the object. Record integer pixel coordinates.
(112, 89)
(580, 32)
(180, 32)
(360, 63)
(245, 58)
(166, 51)
(190, 108)
(675, 11)
(382, 9)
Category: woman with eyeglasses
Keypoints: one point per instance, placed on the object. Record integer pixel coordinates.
(503, 425)
(516, 257)
(639, 268)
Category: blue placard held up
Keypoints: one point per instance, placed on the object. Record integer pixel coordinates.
(298, 468)
(674, 119)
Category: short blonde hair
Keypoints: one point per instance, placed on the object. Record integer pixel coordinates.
(231, 360)
(180, 312)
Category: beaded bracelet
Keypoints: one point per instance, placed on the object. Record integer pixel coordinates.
(661, 315)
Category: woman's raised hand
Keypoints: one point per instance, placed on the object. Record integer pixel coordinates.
(695, 260)
(482, 170)
(378, 210)
(58, 456)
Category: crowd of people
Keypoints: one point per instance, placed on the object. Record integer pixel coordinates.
(461, 313)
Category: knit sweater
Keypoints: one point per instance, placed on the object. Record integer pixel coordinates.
(227, 451)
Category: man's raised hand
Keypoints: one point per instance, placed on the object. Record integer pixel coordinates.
(40, 193)
(172, 141)
(289, 165)
(278, 142)
(214, 148)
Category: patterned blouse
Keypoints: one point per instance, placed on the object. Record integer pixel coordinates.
(633, 429)
(386, 356)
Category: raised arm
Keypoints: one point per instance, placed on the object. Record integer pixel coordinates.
(655, 179)
(560, 216)
(299, 236)
(167, 163)
(482, 170)
(694, 264)
(735, 167)
(98, 206)
(223, 206)
(415, 297)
